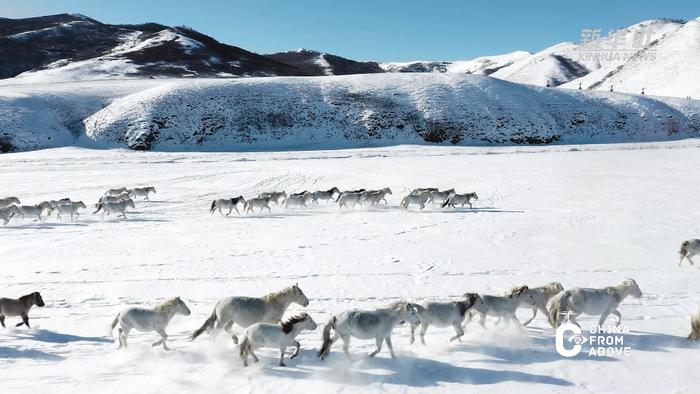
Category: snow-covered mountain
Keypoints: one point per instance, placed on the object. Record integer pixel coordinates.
(319, 63)
(567, 61)
(668, 66)
(484, 65)
(74, 47)
(658, 55)
(329, 112)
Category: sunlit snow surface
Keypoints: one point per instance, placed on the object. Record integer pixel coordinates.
(582, 215)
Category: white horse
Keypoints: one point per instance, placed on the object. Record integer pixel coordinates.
(142, 191)
(109, 207)
(592, 302)
(70, 208)
(298, 200)
(374, 197)
(246, 311)
(8, 213)
(325, 195)
(502, 307)
(442, 314)
(118, 198)
(440, 197)
(227, 203)
(422, 190)
(34, 210)
(350, 199)
(695, 326)
(689, 249)
(276, 197)
(116, 192)
(460, 199)
(415, 199)
(260, 202)
(146, 320)
(6, 202)
(278, 336)
(376, 324)
(540, 297)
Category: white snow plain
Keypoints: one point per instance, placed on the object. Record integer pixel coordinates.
(586, 215)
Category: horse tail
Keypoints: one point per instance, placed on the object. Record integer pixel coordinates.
(404, 202)
(244, 348)
(114, 324)
(208, 324)
(99, 207)
(695, 327)
(446, 202)
(326, 347)
(213, 207)
(559, 306)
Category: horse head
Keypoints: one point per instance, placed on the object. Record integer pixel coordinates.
(299, 296)
(36, 298)
(181, 307)
(633, 287)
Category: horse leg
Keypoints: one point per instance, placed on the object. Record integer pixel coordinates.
(237, 211)
(164, 337)
(468, 318)
(2, 320)
(346, 345)
(255, 358)
(282, 349)
(534, 313)
(423, 329)
(25, 321)
(603, 317)
(483, 320)
(119, 336)
(228, 327)
(458, 329)
(379, 342)
(296, 352)
(413, 335)
(390, 346)
(124, 334)
(619, 317)
(220, 211)
(229, 211)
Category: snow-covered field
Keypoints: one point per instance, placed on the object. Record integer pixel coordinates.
(583, 215)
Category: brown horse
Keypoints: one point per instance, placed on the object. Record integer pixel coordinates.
(19, 307)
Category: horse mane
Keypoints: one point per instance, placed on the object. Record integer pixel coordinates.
(518, 291)
(167, 305)
(289, 324)
(464, 305)
(277, 294)
(26, 297)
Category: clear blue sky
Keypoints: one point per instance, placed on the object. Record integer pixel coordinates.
(382, 30)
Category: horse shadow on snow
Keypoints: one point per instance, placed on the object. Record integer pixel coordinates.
(407, 370)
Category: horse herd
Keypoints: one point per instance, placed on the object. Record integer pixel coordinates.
(120, 199)
(113, 201)
(262, 317)
(347, 199)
